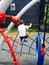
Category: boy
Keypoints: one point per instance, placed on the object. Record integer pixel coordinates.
(22, 30)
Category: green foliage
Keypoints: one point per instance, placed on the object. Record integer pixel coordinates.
(13, 30)
(45, 12)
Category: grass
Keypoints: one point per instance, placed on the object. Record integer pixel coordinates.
(13, 30)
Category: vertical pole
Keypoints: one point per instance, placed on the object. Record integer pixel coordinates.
(41, 13)
(45, 21)
(39, 19)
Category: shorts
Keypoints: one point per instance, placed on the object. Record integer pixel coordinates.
(23, 37)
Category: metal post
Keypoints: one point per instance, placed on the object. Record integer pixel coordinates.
(45, 22)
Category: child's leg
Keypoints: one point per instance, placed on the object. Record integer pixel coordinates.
(25, 38)
(21, 40)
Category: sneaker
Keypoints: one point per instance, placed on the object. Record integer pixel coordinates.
(20, 43)
(25, 40)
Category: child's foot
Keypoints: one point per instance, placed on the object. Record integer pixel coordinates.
(25, 40)
(20, 43)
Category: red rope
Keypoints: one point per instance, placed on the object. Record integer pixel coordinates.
(14, 60)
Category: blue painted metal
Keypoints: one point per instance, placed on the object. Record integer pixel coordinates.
(39, 56)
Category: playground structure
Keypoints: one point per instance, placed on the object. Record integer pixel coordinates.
(15, 20)
(11, 49)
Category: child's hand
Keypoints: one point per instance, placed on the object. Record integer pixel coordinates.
(30, 24)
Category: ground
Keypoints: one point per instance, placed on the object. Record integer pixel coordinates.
(25, 58)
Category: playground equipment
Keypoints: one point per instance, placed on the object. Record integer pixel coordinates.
(40, 50)
(3, 18)
(15, 20)
(15, 61)
(11, 48)
(39, 53)
(30, 4)
(3, 8)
